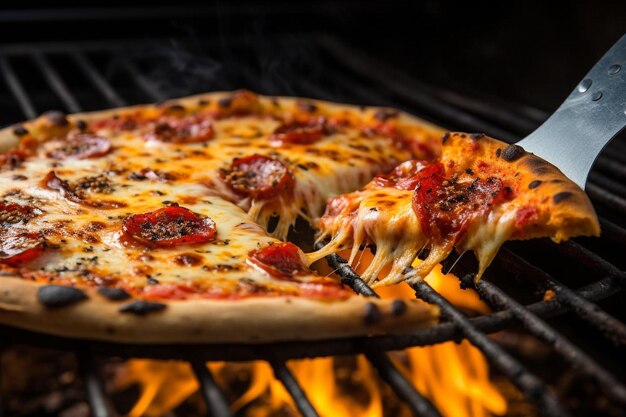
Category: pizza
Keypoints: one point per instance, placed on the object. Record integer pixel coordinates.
(169, 222)
(478, 193)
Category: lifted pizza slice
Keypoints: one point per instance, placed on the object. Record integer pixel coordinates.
(480, 193)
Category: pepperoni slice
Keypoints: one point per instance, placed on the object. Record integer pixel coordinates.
(69, 192)
(301, 133)
(13, 158)
(82, 146)
(258, 176)
(12, 213)
(446, 207)
(168, 227)
(18, 248)
(404, 175)
(281, 260)
(181, 130)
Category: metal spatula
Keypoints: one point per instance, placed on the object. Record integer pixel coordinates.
(592, 115)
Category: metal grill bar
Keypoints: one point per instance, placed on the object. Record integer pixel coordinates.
(529, 384)
(591, 313)
(575, 356)
(524, 380)
(211, 393)
(419, 405)
(56, 83)
(406, 87)
(284, 375)
(97, 79)
(348, 276)
(610, 200)
(17, 89)
(580, 253)
(390, 374)
(145, 84)
(98, 400)
(612, 231)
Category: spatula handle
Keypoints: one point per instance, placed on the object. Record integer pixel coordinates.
(573, 137)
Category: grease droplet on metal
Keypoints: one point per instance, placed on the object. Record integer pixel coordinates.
(584, 85)
(596, 96)
(614, 69)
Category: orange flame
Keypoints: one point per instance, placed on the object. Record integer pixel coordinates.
(455, 377)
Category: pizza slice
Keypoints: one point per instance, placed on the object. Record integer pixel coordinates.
(478, 194)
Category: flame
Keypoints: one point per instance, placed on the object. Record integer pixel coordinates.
(455, 377)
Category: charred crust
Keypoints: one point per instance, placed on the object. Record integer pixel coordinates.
(203, 102)
(225, 102)
(20, 131)
(498, 152)
(538, 166)
(477, 136)
(141, 307)
(306, 106)
(562, 196)
(385, 114)
(372, 314)
(57, 118)
(398, 307)
(445, 137)
(113, 294)
(534, 184)
(176, 107)
(512, 153)
(81, 125)
(467, 282)
(56, 296)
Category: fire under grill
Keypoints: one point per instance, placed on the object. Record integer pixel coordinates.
(89, 76)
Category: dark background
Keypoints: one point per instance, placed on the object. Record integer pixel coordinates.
(528, 52)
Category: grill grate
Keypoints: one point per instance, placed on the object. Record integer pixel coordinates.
(116, 74)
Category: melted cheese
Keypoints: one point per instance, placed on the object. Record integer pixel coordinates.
(384, 217)
(85, 242)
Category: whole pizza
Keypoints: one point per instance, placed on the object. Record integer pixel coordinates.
(172, 222)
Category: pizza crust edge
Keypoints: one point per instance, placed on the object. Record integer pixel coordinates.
(251, 320)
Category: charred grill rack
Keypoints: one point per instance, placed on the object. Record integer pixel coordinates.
(88, 76)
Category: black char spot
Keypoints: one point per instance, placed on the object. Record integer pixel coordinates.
(225, 102)
(56, 296)
(538, 166)
(176, 107)
(561, 196)
(467, 281)
(512, 153)
(306, 106)
(57, 118)
(141, 307)
(534, 184)
(113, 294)
(372, 313)
(20, 131)
(498, 152)
(398, 307)
(477, 136)
(81, 125)
(445, 137)
(385, 114)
